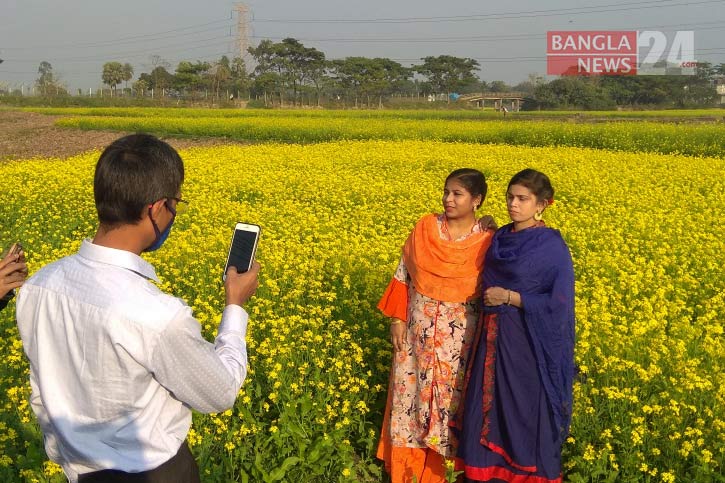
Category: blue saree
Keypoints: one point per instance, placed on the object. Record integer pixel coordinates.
(518, 398)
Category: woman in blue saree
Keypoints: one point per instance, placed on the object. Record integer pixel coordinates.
(518, 400)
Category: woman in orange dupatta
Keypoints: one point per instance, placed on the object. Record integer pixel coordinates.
(434, 303)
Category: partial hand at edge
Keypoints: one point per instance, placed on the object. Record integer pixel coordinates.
(13, 272)
(487, 222)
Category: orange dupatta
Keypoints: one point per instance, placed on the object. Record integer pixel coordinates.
(445, 270)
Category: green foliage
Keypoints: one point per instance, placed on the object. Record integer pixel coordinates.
(573, 92)
(292, 126)
(605, 92)
(190, 75)
(360, 77)
(48, 83)
(287, 65)
(113, 73)
(159, 78)
(447, 73)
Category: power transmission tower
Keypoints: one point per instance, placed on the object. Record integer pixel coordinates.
(242, 29)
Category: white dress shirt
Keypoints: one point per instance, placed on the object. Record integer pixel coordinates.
(116, 364)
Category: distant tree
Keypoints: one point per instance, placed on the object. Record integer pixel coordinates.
(645, 90)
(697, 90)
(406, 87)
(45, 80)
(313, 69)
(240, 81)
(397, 77)
(48, 83)
(637, 90)
(112, 75)
(662, 90)
(363, 77)
(300, 63)
(191, 76)
(140, 86)
(161, 78)
(573, 93)
(425, 87)
(127, 73)
(45, 69)
(146, 77)
(219, 75)
(266, 83)
(227, 65)
(269, 72)
(294, 64)
(354, 74)
(265, 55)
(447, 73)
(375, 81)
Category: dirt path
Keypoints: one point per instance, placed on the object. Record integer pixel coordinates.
(30, 135)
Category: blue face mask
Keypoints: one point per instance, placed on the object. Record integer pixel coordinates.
(160, 236)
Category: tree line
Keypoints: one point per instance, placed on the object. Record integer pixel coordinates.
(609, 92)
(288, 73)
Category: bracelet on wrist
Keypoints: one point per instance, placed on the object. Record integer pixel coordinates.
(508, 301)
(396, 322)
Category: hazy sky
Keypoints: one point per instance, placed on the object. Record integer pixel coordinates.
(507, 38)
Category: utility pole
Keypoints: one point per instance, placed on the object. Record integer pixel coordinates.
(242, 28)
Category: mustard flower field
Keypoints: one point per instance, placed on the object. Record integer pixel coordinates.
(646, 233)
(666, 138)
(675, 115)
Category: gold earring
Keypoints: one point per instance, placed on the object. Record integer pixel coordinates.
(538, 216)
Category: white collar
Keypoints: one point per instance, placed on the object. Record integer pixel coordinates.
(118, 258)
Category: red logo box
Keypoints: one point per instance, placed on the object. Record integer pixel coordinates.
(591, 52)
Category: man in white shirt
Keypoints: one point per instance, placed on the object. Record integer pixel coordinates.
(115, 364)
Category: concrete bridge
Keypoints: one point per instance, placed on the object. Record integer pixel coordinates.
(510, 100)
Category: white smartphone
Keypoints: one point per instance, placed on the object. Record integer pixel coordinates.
(242, 248)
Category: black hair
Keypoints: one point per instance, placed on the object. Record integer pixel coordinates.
(135, 171)
(537, 182)
(472, 179)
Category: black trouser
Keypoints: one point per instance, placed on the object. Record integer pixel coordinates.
(180, 469)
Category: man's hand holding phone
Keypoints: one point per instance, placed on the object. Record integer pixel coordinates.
(240, 287)
(13, 270)
(241, 270)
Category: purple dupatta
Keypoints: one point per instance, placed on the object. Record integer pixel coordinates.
(537, 264)
(518, 400)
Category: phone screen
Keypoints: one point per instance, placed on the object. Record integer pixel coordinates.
(242, 250)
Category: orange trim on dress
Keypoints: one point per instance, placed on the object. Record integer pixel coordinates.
(394, 302)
